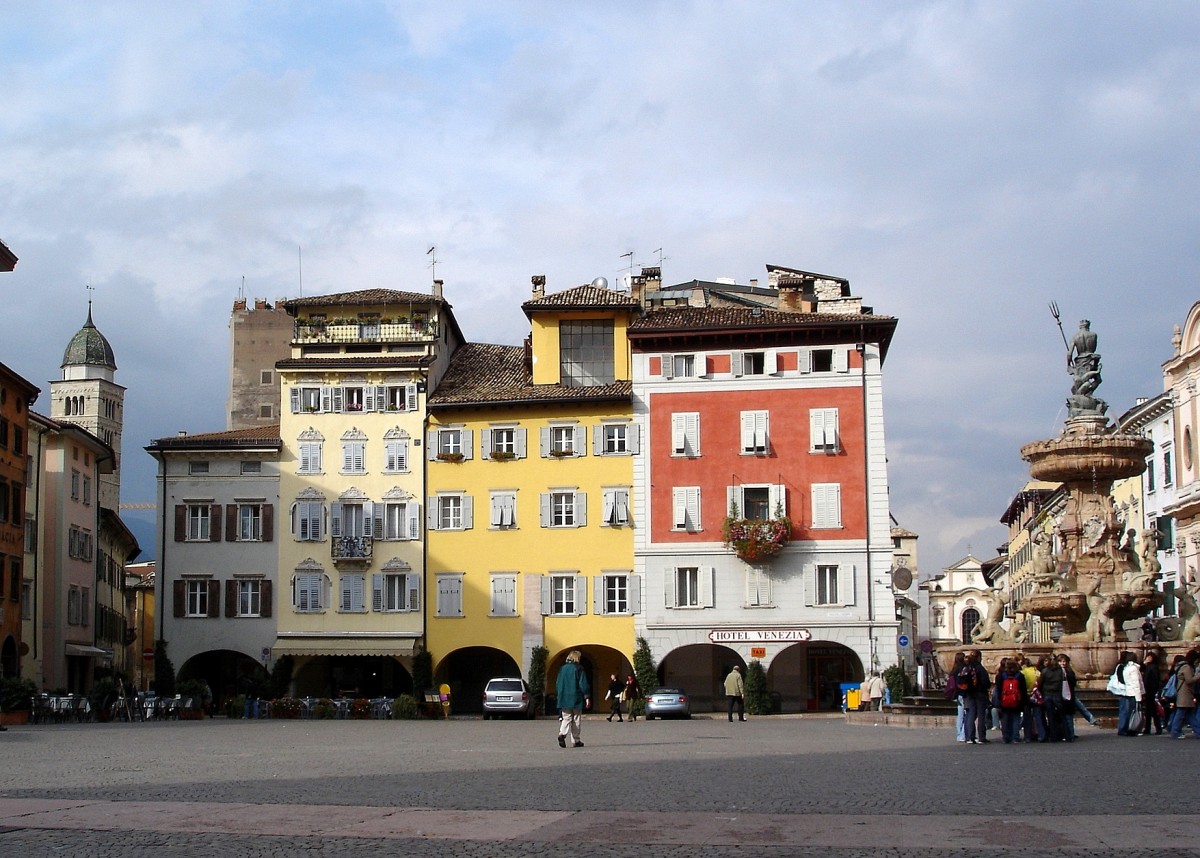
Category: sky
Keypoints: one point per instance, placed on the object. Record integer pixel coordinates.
(963, 164)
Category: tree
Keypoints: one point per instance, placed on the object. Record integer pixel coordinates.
(537, 676)
(646, 672)
(422, 674)
(281, 678)
(758, 699)
(164, 671)
(897, 682)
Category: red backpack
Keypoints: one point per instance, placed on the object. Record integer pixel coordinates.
(1010, 693)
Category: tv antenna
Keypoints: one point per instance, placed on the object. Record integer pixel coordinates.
(432, 251)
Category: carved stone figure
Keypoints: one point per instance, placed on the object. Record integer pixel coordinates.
(1044, 573)
(1188, 614)
(1100, 625)
(1149, 569)
(989, 629)
(1083, 362)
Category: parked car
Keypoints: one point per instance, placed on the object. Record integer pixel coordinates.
(507, 696)
(667, 702)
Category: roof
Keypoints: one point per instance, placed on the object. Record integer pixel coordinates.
(484, 374)
(352, 361)
(255, 436)
(363, 296)
(8, 259)
(89, 347)
(901, 533)
(587, 297)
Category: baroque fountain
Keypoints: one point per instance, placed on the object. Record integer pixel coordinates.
(1105, 573)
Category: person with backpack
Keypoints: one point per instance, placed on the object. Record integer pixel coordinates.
(1009, 697)
(1185, 695)
(1130, 673)
(1032, 724)
(974, 686)
(1052, 679)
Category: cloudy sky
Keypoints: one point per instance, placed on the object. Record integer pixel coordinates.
(961, 163)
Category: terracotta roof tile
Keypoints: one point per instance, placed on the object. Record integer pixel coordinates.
(254, 436)
(352, 360)
(702, 318)
(587, 297)
(364, 296)
(483, 374)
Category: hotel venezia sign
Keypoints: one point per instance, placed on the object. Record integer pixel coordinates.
(759, 635)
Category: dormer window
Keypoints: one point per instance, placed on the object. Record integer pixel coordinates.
(586, 353)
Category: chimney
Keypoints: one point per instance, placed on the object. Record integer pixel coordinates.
(239, 304)
(753, 282)
(529, 353)
(539, 286)
(791, 296)
(260, 304)
(437, 289)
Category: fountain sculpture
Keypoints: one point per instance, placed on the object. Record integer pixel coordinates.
(1106, 572)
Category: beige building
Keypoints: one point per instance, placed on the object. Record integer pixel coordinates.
(259, 337)
(1181, 376)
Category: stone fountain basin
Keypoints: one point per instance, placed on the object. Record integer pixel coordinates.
(1075, 458)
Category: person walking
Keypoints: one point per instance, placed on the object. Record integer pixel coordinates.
(573, 696)
(1185, 695)
(735, 692)
(974, 685)
(877, 690)
(615, 688)
(633, 693)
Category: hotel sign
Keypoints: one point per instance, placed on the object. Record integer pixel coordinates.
(759, 636)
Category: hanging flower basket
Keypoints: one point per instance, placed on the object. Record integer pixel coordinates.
(755, 540)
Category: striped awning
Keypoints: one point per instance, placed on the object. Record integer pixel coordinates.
(88, 651)
(392, 646)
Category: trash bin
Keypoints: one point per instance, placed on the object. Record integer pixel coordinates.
(851, 696)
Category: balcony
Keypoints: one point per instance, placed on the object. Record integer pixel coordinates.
(408, 331)
(351, 550)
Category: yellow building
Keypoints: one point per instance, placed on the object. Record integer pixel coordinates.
(530, 499)
(351, 553)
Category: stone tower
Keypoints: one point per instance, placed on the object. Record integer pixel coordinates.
(259, 336)
(88, 396)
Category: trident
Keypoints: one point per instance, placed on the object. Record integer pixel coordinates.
(1054, 313)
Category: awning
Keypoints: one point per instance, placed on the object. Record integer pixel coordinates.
(344, 646)
(88, 651)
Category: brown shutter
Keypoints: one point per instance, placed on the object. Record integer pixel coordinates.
(214, 523)
(264, 594)
(268, 522)
(214, 598)
(231, 522)
(231, 597)
(180, 523)
(180, 590)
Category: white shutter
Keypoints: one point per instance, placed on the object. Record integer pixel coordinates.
(693, 509)
(368, 519)
(485, 443)
(679, 507)
(497, 519)
(410, 397)
(339, 400)
(816, 428)
(376, 592)
(544, 504)
(737, 362)
(377, 530)
(414, 591)
(770, 362)
(580, 595)
(335, 520)
(431, 513)
(747, 431)
(669, 595)
(468, 512)
(431, 445)
(693, 434)
(841, 360)
(804, 360)
(326, 398)
(633, 438)
(668, 366)
(810, 584)
(776, 499)
(413, 509)
(546, 605)
(294, 396)
(544, 437)
(598, 440)
(369, 398)
(521, 443)
(846, 584)
(598, 587)
(578, 440)
(580, 509)
(468, 443)
(707, 576)
(621, 506)
(610, 502)
(635, 594)
(678, 433)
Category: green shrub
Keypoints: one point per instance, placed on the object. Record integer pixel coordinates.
(404, 708)
(422, 672)
(646, 672)
(325, 709)
(16, 693)
(537, 676)
(235, 707)
(164, 671)
(897, 682)
(758, 699)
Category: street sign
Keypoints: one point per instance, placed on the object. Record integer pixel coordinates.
(758, 652)
(902, 641)
(148, 654)
(926, 645)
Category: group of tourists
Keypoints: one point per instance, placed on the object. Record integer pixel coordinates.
(1039, 702)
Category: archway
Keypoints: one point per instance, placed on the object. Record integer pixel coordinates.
(808, 677)
(700, 670)
(228, 673)
(598, 664)
(467, 671)
(366, 676)
(970, 619)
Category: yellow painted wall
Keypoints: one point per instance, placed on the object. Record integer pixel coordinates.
(545, 345)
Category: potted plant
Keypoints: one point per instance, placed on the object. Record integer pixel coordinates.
(404, 708)
(449, 457)
(755, 540)
(503, 455)
(285, 707)
(360, 708)
(16, 699)
(325, 709)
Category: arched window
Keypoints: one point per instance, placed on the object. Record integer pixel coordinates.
(970, 619)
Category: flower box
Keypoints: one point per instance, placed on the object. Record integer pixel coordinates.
(755, 540)
(449, 457)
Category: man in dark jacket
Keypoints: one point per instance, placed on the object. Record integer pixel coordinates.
(975, 697)
(574, 695)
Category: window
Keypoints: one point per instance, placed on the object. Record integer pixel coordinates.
(308, 518)
(449, 594)
(504, 510)
(395, 456)
(755, 432)
(685, 508)
(199, 522)
(197, 598)
(354, 455)
(685, 434)
(249, 597)
(265, 376)
(86, 493)
(752, 363)
(616, 508)
(249, 522)
(586, 353)
(310, 457)
(823, 430)
(758, 587)
(504, 595)
(401, 520)
(400, 397)
(80, 543)
(451, 445)
(1150, 470)
(970, 619)
(451, 512)
(679, 366)
(308, 592)
(565, 595)
(266, 412)
(690, 587)
(75, 477)
(353, 399)
(562, 441)
(250, 468)
(504, 442)
(826, 505)
(617, 593)
(393, 592)
(564, 508)
(352, 599)
(615, 439)
(26, 600)
(74, 603)
(757, 502)
(829, 585)
(197, 468)
(351, 527)
(1167, 471)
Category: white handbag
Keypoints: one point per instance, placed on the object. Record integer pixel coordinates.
(1115, 686)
